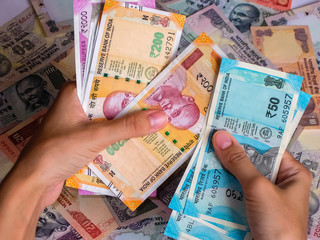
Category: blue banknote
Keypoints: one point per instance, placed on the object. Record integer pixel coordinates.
(179, 198)
(257, 106)
(182, 226)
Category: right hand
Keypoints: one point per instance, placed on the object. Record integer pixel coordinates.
(274, 211)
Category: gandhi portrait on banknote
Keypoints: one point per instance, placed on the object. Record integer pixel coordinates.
(243, 16)
(51, 225)
(5, 65)
(182, 111)
(115, 102)
(32, 91)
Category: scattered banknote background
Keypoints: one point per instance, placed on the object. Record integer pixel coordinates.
(216, 64)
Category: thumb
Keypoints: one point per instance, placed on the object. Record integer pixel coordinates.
(133, 125)
(234, 158)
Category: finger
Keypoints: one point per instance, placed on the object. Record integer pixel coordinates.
(234, 158)
(134, 125)
(293, 175)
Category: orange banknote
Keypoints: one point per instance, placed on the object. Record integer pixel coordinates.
(136, 167)
(88, 215)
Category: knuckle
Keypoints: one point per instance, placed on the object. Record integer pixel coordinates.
(131, 124)
(237, 156)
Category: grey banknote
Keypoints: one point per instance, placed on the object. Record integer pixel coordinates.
(242, 13)
(214, 23)
(24, 50)
(28, 96)
(52, 225)
(151, 228)
(124, 216)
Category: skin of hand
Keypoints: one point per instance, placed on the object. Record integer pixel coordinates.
(274, 211)
(64, 143)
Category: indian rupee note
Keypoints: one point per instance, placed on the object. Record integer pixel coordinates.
(28, 96)
(66, 65)
(151, 228)
(182, 227)
(24, 50)
(167, 189)
(85, 15)
(179, 198)
(183, 91)
(242, 14)
(86, 180)
(294, 54)
(88, 215)
(290, 48)
(13, 141)
(124, 216)
(309, 16)
(282, 5)
(306, 150)
(55, 15)
(52, 225)
(215, 24)
(123, 56)
(215, 195)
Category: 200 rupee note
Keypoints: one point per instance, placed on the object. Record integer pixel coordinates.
(121, 52)
(183, 91)
(86, 180)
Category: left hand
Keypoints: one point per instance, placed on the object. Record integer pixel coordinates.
(67, 140)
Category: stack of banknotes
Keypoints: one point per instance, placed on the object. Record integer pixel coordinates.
(250, 67)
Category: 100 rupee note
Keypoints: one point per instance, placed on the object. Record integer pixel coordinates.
(183, 91)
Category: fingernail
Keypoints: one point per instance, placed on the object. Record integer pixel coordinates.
(222, 140)
(158, 119)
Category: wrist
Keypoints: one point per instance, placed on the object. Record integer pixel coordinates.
(20, 204)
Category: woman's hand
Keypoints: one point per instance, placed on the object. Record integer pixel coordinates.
(64, 143)
(274, 211)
